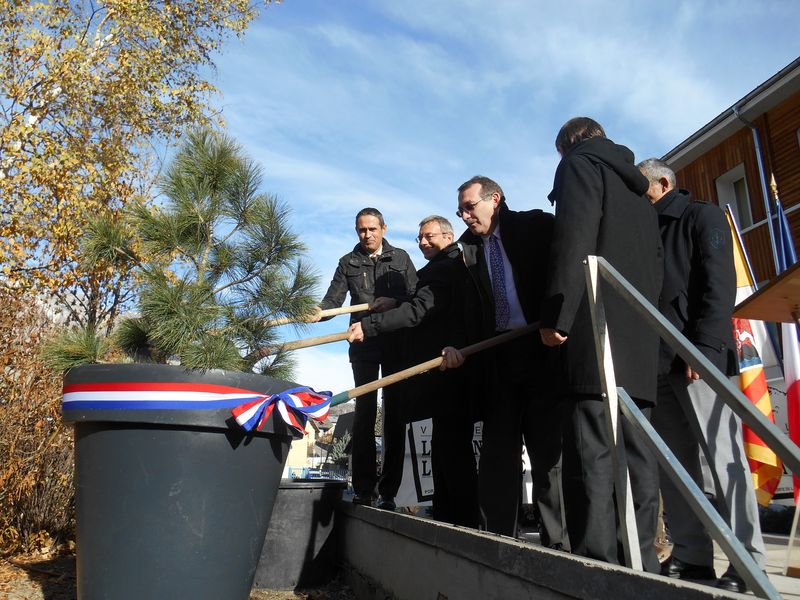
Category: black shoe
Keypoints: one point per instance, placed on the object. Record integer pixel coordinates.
(362, 499)
(677, 569)
(731, 581)
(386, 503)
(556, 546)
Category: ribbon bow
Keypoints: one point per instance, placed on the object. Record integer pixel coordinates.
(295, 406)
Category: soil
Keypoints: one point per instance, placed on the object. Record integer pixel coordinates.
(51, 576)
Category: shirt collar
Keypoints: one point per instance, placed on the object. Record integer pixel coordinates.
(495, 233)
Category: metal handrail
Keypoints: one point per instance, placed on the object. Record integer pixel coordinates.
(618, 400)
(700, 505)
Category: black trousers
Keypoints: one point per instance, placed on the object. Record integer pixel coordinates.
(517, 397)
(541, 432)
(455, 478)
(365, 476)
(588, 480)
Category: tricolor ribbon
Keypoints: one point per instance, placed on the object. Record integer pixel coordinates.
(294, 406)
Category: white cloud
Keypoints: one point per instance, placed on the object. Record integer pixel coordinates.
(393, 105)
(373, 104)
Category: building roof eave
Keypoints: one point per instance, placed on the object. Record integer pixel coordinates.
(766, 96)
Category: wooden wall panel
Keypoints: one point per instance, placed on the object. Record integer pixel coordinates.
(699, 177)
(778, 135)
(783, 124)
(759, 251)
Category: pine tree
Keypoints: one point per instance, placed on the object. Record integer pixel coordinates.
(214, 261)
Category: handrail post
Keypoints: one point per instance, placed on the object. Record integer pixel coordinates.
(708, 515)
(605, 364)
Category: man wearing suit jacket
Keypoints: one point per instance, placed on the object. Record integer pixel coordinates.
(601, 210)
(698, 297)
(433, 319)
(506, 256)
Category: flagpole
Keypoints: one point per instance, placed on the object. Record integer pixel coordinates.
(771, 335)
(732, 216)
(763, 180)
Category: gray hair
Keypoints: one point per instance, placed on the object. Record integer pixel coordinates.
(444, 224)
(654, 169)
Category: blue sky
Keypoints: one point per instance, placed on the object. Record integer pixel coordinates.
(394, 104)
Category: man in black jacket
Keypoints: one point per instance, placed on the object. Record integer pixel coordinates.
(698, 297)
(374, 269)
(601, 210)
(433, 319)
(506, 254)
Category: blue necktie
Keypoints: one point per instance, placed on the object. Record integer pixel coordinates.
(501, 311)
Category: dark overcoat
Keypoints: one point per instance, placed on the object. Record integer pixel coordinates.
(434, 317)
(434, 311)
(601, 210)
(699, 290)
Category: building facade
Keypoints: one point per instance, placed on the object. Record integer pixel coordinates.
(732, 160)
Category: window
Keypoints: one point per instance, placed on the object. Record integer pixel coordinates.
(732, 189)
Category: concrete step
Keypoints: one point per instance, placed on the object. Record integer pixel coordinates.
(396, 555)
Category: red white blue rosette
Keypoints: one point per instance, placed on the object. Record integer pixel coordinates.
(294, 406)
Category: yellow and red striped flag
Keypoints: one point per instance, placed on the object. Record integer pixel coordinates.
(751, 342)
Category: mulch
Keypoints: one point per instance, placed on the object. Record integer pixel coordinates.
(51, 576)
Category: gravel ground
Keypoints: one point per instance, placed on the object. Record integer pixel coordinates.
(52, 577)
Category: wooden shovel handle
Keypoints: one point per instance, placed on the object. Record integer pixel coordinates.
(315, 341)
(305, 343)
(430, 364)
(328, 312)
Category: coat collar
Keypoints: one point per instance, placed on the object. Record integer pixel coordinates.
(450, 251)
(673, 204)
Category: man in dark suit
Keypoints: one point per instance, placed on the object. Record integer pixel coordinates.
(506, 256)
(698, 297)
(432, 319)
(373, 269)
(601, 210)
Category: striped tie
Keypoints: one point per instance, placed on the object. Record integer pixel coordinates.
(501, 311)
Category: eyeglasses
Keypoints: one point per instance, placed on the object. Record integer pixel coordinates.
(470, 206)
(428, 237)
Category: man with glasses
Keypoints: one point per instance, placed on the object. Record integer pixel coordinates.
(374, 269)
(434, 318)
(506, 255)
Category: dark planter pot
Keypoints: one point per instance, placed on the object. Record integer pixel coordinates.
(172, 498)
(300, 547)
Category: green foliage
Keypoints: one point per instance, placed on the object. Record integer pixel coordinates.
(75, 347)
(214, 262)
(338, 452)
